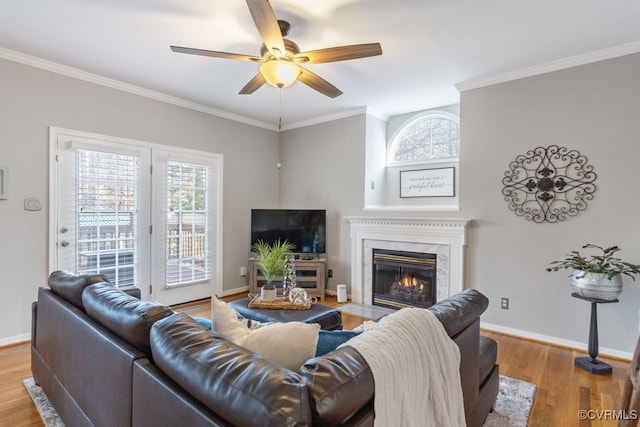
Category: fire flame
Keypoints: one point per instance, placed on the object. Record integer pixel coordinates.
(411, 282)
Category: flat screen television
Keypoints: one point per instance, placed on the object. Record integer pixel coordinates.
(305, 228)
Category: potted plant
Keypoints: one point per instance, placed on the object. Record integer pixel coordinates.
(271, 260)
(596, 276)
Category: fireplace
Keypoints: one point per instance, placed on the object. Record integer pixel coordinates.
(403, 279)
(444, 237)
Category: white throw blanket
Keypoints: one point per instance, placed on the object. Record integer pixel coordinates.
(416, 370)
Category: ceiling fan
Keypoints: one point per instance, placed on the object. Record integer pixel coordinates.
(281, 58)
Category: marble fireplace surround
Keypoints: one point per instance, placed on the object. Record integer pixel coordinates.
(444, 237)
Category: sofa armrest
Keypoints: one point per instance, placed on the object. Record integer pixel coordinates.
(340, 384)
(460, 310)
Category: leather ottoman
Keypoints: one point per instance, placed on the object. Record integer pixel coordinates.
(329, 318)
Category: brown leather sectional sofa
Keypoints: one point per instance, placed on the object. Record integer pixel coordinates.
(105, 358)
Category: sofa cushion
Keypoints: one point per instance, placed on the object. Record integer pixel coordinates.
(124, 315)
(70, 286)
(241, 387)
(288, 344)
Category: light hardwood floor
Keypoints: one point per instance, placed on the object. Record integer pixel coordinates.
(563, 390)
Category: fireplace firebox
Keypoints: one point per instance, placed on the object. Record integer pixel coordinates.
(403, 279)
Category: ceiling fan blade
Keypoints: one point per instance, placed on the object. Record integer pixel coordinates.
(316, 82)
(253, 85)
(215, 54)
(340, 53)
(267, 24)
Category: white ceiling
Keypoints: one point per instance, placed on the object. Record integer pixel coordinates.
(428, 46)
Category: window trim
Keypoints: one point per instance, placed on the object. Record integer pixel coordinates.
(395, 139)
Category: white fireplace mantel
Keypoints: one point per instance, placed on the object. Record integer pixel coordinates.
(449, 235)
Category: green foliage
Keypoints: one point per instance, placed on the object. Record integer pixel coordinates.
(606, 262)
(271, 259)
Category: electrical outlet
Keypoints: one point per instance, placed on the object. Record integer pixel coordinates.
(330, 273)
(504, 303)
(32, 204)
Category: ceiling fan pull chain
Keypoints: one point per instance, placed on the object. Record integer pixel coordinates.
(280, 115)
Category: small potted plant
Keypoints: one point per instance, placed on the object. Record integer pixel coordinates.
(271, 260)
(596, 276)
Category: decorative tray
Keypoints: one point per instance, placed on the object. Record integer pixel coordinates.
(278, 304)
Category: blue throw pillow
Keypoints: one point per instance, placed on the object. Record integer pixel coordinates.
(330, 340)
(202, 321)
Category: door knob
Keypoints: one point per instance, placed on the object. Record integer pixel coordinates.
(64, 243)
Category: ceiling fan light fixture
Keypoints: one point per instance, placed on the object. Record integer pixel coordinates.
(279, 72)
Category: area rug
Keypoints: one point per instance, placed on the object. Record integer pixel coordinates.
(45, 408)
(513, 404)
(511, 409)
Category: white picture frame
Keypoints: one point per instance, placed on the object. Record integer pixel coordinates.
(437, 182)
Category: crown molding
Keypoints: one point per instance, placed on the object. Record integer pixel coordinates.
(561, 64)
(76, 73)
(325, 118)
(336, 116)
(378, 114)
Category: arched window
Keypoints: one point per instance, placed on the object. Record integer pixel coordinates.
(430, 136)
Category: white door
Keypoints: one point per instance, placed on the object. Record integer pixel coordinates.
(102, 217)
(142, 214)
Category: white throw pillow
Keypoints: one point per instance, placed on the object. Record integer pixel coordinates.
(224, 320)
(287, 344)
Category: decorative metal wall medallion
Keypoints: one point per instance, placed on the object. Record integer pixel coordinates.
(549, 184)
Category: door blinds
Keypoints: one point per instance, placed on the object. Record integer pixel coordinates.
(106, 215)
(188, 229)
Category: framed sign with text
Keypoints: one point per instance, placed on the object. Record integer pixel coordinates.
(438, 182)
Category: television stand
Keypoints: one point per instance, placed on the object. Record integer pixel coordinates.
(310, 275)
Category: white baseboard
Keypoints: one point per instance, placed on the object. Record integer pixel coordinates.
(603, 351)
(15, 340)
(234, 291)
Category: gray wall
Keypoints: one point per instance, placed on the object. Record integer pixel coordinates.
(323, 168)
(33, 99)
(593, 109)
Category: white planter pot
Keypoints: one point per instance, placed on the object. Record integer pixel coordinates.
(268, 294)
(596, 285)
